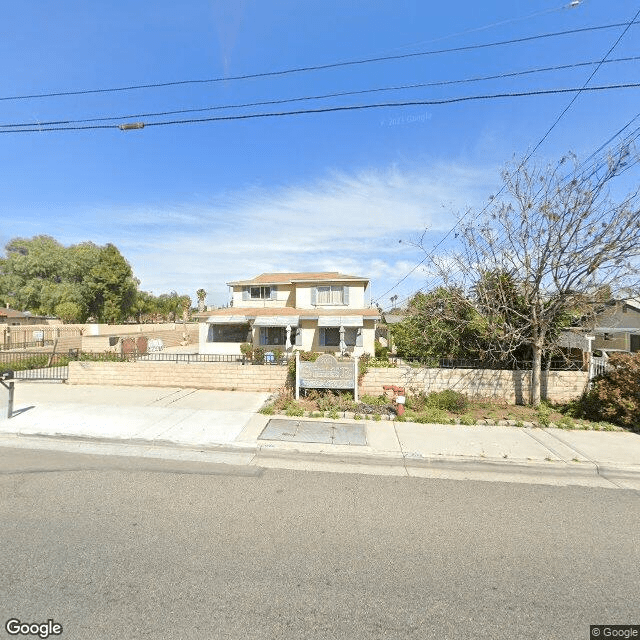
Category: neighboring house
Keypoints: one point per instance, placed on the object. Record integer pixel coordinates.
(286, 311)
(15, 318)
(618, 327)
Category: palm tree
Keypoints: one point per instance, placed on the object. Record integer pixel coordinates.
(202, 294)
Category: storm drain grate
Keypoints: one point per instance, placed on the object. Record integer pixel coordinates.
(292, 430)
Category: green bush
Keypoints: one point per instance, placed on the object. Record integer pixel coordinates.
(246, 349)
(294, 410)
(433, 415)
(544, 413)
(378, 401)
(467, 419)
(448, 400)
(417, 401)
(615, 396)
(380, 352)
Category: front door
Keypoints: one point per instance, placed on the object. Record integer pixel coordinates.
(635, 343)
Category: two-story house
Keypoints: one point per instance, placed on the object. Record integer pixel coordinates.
(306, 311)
(618, 327)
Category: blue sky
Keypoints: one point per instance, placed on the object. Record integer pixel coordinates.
(197, 205)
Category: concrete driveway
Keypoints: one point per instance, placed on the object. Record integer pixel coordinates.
(181, 416)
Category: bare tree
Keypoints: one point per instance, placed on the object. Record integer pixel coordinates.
(544, 254)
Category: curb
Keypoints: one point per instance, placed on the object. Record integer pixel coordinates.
(270, 451)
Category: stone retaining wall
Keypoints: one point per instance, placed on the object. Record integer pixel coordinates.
(512, 386)
(208, 375)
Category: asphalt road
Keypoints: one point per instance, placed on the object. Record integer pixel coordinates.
(129, 548)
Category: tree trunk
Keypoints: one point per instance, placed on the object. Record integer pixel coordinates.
(536, 374)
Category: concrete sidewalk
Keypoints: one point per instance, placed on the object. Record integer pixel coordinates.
(221, 426)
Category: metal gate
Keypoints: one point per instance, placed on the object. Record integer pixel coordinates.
(35, 365)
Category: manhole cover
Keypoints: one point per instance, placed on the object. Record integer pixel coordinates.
(292, 430)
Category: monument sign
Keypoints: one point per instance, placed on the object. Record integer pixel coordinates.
(327, 373)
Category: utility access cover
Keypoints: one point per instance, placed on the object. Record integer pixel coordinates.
(292, 430)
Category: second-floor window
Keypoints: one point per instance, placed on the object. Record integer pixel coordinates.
(330, 294)
(260, 293)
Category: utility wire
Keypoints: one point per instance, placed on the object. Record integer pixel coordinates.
(356, 107)
(485, 27)
(528, 156)
(320, 67)
(626, 142)
(420, 85)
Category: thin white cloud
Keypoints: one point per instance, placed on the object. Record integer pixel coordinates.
(344, 222)
(348, 223)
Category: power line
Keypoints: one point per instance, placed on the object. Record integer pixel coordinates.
(420, 85)
(356, 107)
(487, 26)
(624, 143)
(537, 146)
(320, 67)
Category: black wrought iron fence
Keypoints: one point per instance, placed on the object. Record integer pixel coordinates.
(267, 358)
(520, 365)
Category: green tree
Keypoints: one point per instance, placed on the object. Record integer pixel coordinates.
(439, 324)
(561, 239)
(111, 286)
(202, 294)
(68, 312)
(39, 274)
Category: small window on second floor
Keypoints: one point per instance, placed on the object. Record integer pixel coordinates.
(332, 294)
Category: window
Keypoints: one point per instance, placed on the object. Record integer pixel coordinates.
(260, 293)
(330, 336)
(274, 336)
(229, 333)
(608, 336)
(332, 294)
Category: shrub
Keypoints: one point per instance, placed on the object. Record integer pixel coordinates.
(381, 352)
(258, 355)
(566, 422)
(417, 401)
(294, 410)
(433, 415)
(544, 413)
(467, 419)
(448, 400)
(268, 410)
(381, 400)
(615, 396)
(246, 349)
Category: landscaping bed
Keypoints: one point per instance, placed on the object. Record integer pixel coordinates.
(444, 407)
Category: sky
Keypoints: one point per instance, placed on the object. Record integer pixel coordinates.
(196, 205)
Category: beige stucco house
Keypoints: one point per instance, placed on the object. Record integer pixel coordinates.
(325, 312)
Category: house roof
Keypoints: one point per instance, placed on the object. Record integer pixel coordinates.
(14, 313)
(305, 314)
(394, 318)
(634, 303)
(289, 278)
